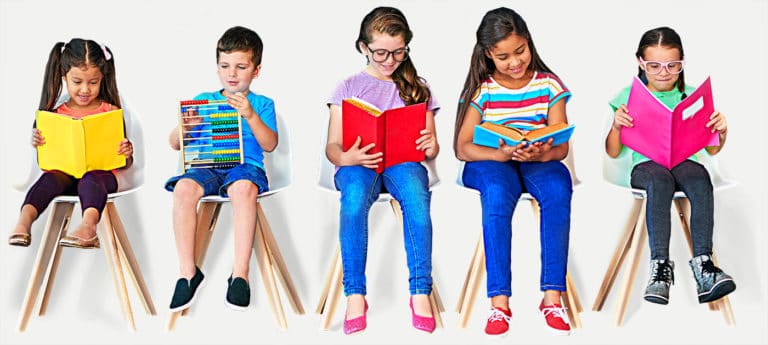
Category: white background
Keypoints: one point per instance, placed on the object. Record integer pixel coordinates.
(165, 52)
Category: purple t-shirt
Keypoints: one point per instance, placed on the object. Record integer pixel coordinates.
(381, 93)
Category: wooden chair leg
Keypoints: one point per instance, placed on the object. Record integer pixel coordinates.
(282, 269)
(573, 307)
(132, 265)
(463, 292)
(54, 267)
(207, 215)
(683, 207)
(336, 288)
(108, 242)
(60, 213)
(329, 278)
(435, 304)
(618, 255)
(268, 277)
(476, 276)
(634, 253)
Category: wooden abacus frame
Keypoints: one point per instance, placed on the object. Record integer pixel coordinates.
(223, 112)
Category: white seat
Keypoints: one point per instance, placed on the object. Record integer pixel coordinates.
(333, 282)
(111, 233)
(476, 268)
(279, 171)
(617, 172)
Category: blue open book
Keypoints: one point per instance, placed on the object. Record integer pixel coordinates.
(489, 133)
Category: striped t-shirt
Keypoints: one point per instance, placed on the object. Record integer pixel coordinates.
(525, 108)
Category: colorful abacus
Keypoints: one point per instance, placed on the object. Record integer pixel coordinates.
(216, 141)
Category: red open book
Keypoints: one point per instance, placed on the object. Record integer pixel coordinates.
(669, 136)
(394, 131)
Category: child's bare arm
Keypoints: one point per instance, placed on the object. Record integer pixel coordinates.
(265, 136)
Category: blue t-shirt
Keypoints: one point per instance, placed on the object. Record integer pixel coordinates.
(264, 108)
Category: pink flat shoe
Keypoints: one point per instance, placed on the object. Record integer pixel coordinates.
(422, 323)
(357, 324)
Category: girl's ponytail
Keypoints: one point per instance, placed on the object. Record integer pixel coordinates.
(52, 80)
(108, 91)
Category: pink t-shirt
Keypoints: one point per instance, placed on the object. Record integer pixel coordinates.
(65, 110)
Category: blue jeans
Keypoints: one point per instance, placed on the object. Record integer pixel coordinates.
(360, 187)
(216, 181)
(500, 185)
(660, 185)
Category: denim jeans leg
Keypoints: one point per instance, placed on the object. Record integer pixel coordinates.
(359, 188)
(500, 187)
(409, 185)
(693, 179)
(550, 184)
(659, 186)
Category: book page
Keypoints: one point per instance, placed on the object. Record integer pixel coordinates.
(63, 149)
(102, 134)
(509, 132)
(362, 104)
(540, 132)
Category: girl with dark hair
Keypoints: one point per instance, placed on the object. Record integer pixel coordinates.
(660, 62)
(88, 71)
(509, 84)
(388, 81)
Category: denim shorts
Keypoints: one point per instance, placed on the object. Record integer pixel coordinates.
(216, 181)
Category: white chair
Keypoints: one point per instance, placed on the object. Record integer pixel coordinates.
(617, 171)
(477, 264)
(111, 233)
(332, 288)
(280, 174)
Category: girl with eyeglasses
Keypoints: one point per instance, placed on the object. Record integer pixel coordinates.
(509, 84)
(660, 66)
(388, 81)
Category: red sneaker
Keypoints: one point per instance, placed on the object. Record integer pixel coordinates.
(498, 322)
(557, 320)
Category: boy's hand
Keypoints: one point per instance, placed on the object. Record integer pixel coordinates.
(240, 102)
(125, 148)
(190, 117)
(357, 155)
(37, 138)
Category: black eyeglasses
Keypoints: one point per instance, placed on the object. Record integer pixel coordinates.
(381, 55)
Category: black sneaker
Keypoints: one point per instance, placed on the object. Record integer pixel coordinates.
(184, 294)
(711, 282)
(238, 293)
(662, 277)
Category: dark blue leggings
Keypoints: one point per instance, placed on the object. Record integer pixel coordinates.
(660, 185)
(92, 189)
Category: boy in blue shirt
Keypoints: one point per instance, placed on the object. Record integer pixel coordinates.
(238, 57)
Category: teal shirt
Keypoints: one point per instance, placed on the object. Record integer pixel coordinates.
(669, 98)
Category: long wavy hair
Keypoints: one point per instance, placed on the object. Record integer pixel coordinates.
(665, 37)
(496, 25)
(390, 21)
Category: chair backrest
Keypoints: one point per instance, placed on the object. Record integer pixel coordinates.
(568, 161)
(328, 170)
(128, 179)
(278, 164)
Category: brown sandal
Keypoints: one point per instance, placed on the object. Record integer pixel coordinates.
(76, 242)
(21, 240)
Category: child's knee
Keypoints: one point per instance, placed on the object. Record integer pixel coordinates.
(187, 190)
(243, 190)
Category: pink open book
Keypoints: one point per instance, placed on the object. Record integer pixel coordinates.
(666, 136)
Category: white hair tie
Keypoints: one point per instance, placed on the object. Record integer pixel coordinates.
(107, 55)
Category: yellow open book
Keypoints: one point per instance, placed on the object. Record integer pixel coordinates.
(76, 146)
